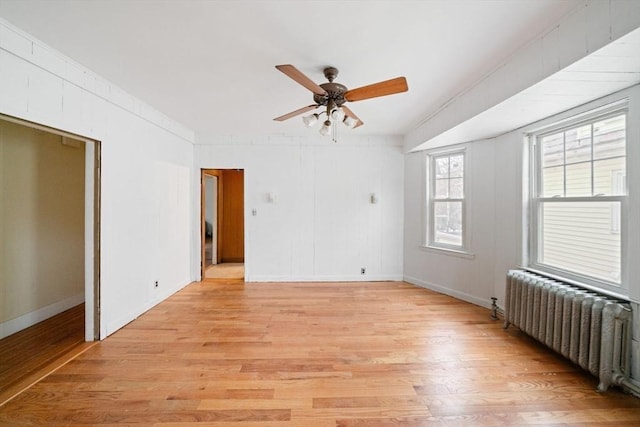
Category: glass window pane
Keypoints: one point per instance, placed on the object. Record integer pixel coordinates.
(457, 166)
(442, 189)
(581, 237)
(609, 137)
(578, 144)
(456, 188)
(578, 178)
(553, 150)
(609, 177)
(448, 223)
(441, 165)
(553, 181)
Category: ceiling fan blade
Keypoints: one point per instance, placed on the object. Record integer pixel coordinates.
(305, 81)
(349, 113)
(387, 87)
(296, 113)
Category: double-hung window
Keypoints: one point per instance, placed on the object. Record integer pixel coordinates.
(446, 200)
(578, 200)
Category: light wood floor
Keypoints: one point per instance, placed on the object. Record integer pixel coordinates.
(317, 354)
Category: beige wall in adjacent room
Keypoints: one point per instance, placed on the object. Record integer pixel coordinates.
(41, 219)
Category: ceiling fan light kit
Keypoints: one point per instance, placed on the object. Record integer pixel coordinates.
(337, 114)
(350, 122)
(333, 96)
(325, 130)
(310, 120)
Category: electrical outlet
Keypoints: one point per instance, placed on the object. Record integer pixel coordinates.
(155, 283)
(363, 270)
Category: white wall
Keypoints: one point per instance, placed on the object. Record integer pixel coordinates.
(322, 226)
(146, 172)
(468, 278)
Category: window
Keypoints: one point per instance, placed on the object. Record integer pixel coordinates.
(578, 198)
(446, 200)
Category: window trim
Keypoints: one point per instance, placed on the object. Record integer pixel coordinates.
(536, 200)
(429, 245)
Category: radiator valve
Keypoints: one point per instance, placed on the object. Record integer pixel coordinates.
(494, 308)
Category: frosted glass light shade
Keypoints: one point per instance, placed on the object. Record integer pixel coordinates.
(310, 120)
(326, 128)
(350, 122)
(337, 114)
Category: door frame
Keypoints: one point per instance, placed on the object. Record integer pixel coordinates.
(218, 174)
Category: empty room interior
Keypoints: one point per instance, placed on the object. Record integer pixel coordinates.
(319, 213)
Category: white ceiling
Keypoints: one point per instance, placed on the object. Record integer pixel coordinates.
(210, 64)
(609, 69)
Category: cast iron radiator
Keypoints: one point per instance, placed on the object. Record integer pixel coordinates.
(590, 329)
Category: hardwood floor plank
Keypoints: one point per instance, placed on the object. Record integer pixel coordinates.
(372, 413)
(628, 416)
(496, 419)
(29, 355)
(290, 423)
(317, 354)
(230, 403)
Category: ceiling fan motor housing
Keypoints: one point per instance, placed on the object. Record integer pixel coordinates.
(335, 92)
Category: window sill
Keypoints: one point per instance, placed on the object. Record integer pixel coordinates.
(450, 252)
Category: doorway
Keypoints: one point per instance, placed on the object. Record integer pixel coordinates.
(49, 249)
(222, 224)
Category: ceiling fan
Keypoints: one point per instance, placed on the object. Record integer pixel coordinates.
(334, 95)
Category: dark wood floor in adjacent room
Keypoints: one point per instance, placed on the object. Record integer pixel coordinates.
(317, 354)
(28, 355)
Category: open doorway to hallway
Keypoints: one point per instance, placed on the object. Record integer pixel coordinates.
(222, 224)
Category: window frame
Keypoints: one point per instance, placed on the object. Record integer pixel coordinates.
(536, 202)
(429, 242)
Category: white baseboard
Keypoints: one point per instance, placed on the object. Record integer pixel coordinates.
(447, 291)
(12, 326)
